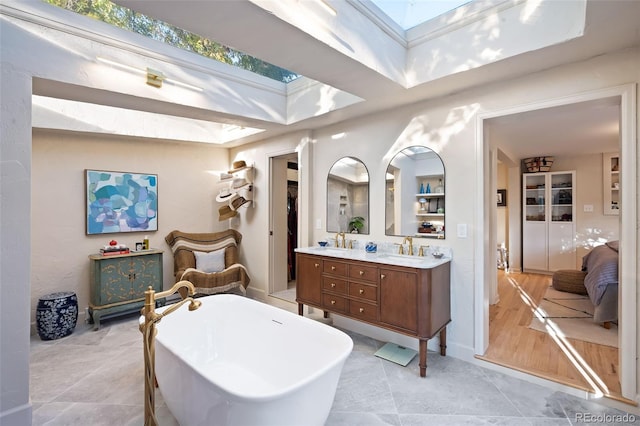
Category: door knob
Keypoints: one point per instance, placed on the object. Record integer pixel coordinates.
(361, 310)
(361, 291)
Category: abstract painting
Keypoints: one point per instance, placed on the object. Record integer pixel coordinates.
(121, 202)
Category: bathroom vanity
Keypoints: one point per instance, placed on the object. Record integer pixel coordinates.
(406, 294)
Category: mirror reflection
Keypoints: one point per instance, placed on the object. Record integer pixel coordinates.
(414, 194)
(348, 197)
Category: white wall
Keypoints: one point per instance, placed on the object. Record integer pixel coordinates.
(187, 186)
(592, 228)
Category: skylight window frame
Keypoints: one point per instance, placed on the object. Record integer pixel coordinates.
(233, 52)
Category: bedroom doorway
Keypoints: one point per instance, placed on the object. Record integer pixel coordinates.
(516, 286)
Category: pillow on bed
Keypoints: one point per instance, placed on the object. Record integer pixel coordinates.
(210, 262)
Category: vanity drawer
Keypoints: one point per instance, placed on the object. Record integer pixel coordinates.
(363, 291)
(363, 310)
(334, 303)
(334, 284)
(335, 268)
(364, 273)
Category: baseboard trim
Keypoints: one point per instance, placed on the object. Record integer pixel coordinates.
(17, 416)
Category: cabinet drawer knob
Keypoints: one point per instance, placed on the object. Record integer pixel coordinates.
(316, 264)
(361, 273)
(333, 284)
(333, 302)
(382, 276)
(361, 310)
(333, 268)
(361, 291)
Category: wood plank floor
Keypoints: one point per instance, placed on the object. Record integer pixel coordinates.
(583, 365)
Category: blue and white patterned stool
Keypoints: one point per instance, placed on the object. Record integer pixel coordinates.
(57, 315)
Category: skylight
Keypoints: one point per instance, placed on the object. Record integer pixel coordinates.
(409, 13)
(122, 17)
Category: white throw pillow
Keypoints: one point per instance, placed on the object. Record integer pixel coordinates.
(210, 262)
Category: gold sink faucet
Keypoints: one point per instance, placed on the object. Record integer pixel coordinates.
(148, 329)
(410, 240)
(421, 250)
(338, 235)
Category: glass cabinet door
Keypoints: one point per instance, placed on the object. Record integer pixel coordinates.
(535, 198)
(562, 197)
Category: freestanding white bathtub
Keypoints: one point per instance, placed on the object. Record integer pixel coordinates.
(237, 361)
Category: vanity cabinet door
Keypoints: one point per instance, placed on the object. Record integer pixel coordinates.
(309, 280)
(399, 299)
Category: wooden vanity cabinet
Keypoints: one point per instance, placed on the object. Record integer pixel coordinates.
(309, 270)
(411, 301)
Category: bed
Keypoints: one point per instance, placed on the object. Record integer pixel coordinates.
(601, 281)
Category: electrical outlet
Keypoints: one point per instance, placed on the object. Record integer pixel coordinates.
(588, 208)
(462, 230)
(318, 223)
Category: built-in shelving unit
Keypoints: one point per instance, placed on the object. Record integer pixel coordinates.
(430, 206)
(611, 183)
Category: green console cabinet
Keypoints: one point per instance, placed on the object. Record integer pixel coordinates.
(118, 282)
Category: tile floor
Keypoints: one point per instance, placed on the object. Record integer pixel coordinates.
(96, 378)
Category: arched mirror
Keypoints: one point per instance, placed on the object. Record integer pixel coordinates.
(348, 197)
(414, 194)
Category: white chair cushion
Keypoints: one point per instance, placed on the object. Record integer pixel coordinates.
(210, 262)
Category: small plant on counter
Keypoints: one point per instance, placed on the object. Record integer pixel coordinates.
(356, 224)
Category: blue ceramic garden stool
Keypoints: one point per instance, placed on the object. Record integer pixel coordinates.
(57, 315)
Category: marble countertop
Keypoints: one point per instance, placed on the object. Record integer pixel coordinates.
(421, 262)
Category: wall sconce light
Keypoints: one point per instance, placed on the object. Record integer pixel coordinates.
(154, 78)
